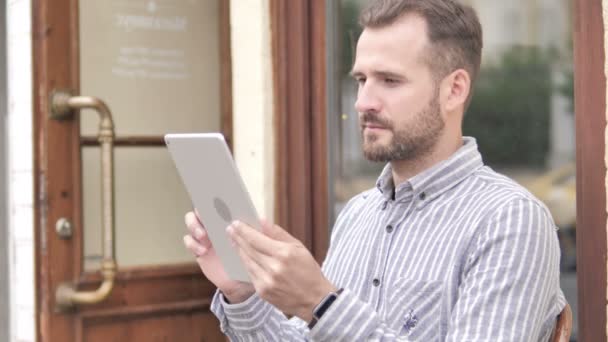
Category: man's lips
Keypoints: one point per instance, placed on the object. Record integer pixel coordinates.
(373, 127)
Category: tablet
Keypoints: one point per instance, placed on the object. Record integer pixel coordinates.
(216, 189)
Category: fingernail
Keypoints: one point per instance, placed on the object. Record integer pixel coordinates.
(230, 229)
(199, 233)
(236, 224)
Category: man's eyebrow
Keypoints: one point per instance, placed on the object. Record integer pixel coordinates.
(355, 73)
(387, 74)
(377, 73)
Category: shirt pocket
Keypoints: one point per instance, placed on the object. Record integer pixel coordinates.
(414, 309)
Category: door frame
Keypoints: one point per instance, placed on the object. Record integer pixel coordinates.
(590, 109)
(57, 192)
(299, 71)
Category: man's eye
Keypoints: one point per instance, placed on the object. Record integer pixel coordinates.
(360, 80)
(391, 81)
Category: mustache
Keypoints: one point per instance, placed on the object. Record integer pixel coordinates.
(371, 118)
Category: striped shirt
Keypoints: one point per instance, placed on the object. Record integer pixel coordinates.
(457, 253)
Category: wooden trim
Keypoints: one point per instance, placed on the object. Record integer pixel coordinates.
(320, 167)
(133, 292)
(299, 91)
(135, 312)
(145, 273)
(138, 311)
(53, 42)
(292, 109)
(590, 108)
(77, 195)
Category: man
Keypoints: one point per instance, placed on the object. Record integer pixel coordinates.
(443, 248)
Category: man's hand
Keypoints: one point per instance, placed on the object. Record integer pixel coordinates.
(199, 244)
(282, 270)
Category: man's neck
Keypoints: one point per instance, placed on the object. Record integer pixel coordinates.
(403, 170)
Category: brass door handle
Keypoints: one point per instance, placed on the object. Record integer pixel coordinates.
(63, 106)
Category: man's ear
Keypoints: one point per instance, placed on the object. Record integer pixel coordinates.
(455, 89)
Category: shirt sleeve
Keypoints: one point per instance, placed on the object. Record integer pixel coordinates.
(347, 319)
(256, 320)
(510, 284)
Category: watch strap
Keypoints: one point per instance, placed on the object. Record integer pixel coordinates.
(323, 306)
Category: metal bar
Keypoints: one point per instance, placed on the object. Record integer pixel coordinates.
(63, 107)
(128, 141)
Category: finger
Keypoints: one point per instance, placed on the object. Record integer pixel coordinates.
(197, 230)
(263, 260)
(247, 237)
(202, 237)
(254, 269)
(192, 222)
(243, 245)
(275, 232)
(194, 246)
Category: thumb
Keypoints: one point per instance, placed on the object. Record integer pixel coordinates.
(275, 232)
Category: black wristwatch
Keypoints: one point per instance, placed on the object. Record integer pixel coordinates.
(322, 307)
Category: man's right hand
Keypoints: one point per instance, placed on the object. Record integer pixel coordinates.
(199, 244)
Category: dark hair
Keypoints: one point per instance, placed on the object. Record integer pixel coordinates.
(454, 32)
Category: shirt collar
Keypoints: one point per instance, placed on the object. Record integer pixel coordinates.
(434, 181)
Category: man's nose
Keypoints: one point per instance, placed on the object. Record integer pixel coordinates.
(367, 99)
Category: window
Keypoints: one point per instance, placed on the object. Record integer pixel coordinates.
(521, 114)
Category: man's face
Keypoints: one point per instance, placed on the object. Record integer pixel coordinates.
(398, 99)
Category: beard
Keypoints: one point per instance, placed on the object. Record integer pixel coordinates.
(410, 142)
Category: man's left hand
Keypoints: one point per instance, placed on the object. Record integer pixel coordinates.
(282, 270)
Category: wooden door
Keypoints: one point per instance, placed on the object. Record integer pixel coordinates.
(158, 295)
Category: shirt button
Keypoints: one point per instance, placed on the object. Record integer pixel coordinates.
(384, 205)
(423, 196)
(376, 282)
(389, 229)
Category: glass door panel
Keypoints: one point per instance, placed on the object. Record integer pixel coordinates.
(156, 63)
(150, 206)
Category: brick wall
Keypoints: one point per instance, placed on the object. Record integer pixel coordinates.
(20, 171)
